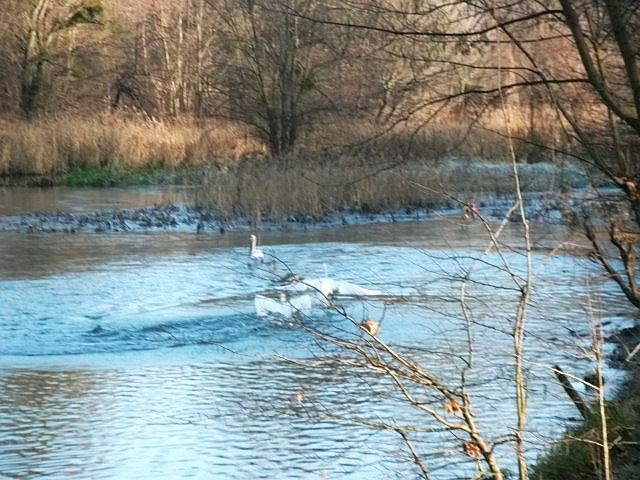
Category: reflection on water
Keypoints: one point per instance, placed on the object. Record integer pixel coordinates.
(140, 356)
(20, 200)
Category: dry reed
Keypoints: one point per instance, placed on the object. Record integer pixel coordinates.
(303, 187)
(57, 145)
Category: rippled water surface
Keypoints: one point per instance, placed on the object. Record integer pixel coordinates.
(19, 200)
(140, 356)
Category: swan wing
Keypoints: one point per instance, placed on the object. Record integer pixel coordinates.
(348, 288)
(266, 306)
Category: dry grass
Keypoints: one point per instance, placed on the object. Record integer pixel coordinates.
(448, 155)
(52, 146)
(58, 145)
(302, 187)
(469, 132)
(272, 190)
(573, 459)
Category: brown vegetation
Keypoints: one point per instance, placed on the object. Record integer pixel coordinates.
(314, 185)
(412, 82)
(57, 145)
(292, 82)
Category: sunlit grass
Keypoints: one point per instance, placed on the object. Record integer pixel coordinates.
(298, 187)
(59, 145)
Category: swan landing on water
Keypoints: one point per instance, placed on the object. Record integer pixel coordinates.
(285, 307)
(302, 297)
(297, 295)
(328, 287)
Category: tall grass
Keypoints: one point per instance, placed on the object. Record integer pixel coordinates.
(300, 187)
(57, 145)
(240, 180)
(461, 132)
(577, 456)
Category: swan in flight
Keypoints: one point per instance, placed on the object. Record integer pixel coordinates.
(323, 287)
(255, 254)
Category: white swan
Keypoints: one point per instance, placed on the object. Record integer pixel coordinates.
(327, 287)
(255, 254)
(323, 287)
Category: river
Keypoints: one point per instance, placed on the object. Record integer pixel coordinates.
(133, 355)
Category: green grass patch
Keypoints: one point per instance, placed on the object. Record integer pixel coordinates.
(106, 177)
(568, 460)
(574, 458)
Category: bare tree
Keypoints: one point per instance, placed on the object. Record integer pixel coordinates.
(591, 95)
(44, 23)
(594, 93)
(281, 71)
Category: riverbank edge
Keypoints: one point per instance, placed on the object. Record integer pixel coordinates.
(109, 177)
(185, 218)
(181, 218)
(561, 462)
(573, 458)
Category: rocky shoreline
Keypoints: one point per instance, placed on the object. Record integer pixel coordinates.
(181, 218)
(184, 218)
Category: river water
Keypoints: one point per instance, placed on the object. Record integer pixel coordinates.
(141, 356)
